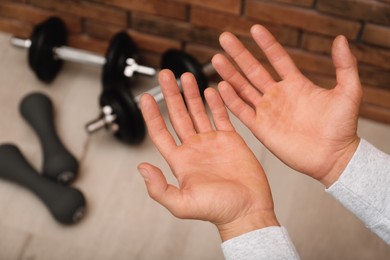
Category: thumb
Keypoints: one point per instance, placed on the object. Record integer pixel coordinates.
(167, 195)
(346, 66)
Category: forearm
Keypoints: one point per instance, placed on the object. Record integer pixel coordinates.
(364, 188)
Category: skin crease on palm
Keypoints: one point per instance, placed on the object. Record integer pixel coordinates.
(311, 129)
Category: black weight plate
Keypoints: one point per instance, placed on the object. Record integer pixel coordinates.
(121, 47)
(180, 62)
(129, 117)
(46, 36)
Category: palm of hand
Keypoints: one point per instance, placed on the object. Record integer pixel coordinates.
(305, 124)
(225, 170)
(219, 178)
(311, 129)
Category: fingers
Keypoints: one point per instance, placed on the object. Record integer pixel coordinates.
(156, 126)
(158, 189)
(195, 104)
(239, 108)
(275, 53)
(218, 110)
(178, 114)
(230, 74)
(346, 66)
(249, 65)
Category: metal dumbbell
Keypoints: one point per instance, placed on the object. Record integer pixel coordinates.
(66, 204)
(58, 163)
(120, 112)
(47, 51)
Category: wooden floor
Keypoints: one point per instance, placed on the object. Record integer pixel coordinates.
(122, 222)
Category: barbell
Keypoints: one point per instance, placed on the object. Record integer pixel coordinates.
(119, 109)
(47, 50)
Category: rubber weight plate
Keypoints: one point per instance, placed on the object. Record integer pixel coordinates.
(180, 62)
(129, 117)
(44, 38)
(121, 47)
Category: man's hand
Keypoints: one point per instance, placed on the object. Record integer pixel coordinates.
(311, 129)
(219, 178)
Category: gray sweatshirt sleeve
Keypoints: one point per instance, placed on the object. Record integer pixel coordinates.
(364, 188)
(266, 243)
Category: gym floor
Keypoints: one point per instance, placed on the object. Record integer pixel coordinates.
(122, 222)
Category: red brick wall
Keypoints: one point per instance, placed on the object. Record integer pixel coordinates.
(305, 27)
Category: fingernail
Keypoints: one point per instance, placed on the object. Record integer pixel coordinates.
(144, 173)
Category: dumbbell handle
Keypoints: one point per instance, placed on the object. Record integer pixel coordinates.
(66, 204)
(59, 164)
(86, 57)
(107, 118)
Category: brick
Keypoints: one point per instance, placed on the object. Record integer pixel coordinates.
(372, 11)
(100, 30)
(156, 7)
(23, 12)
(377, 35)
(311, 62)
(144, 41)
(33, 15)
(86, 10)
(372, 76)
(373, 56)
(227, 6)
(153, 43)
(305, 3)
(170, 28)
(366, 54)
(377, 96)
(220, 21)
(85, 42)
(15, 27)
(200, 35)
(316, 43)
(239, 25)
(156, 25)
(302, 18)
(375, 113)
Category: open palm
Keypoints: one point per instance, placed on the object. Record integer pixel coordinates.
(311, 129)
(219, 178)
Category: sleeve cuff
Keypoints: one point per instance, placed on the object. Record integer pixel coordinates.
(265, 243)
(364, 188)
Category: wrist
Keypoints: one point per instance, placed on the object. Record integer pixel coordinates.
(247, 223)
(341, 163)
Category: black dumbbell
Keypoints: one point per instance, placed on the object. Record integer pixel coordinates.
(58, 163)
(47, 51)
(120, 112)
(66, 204)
